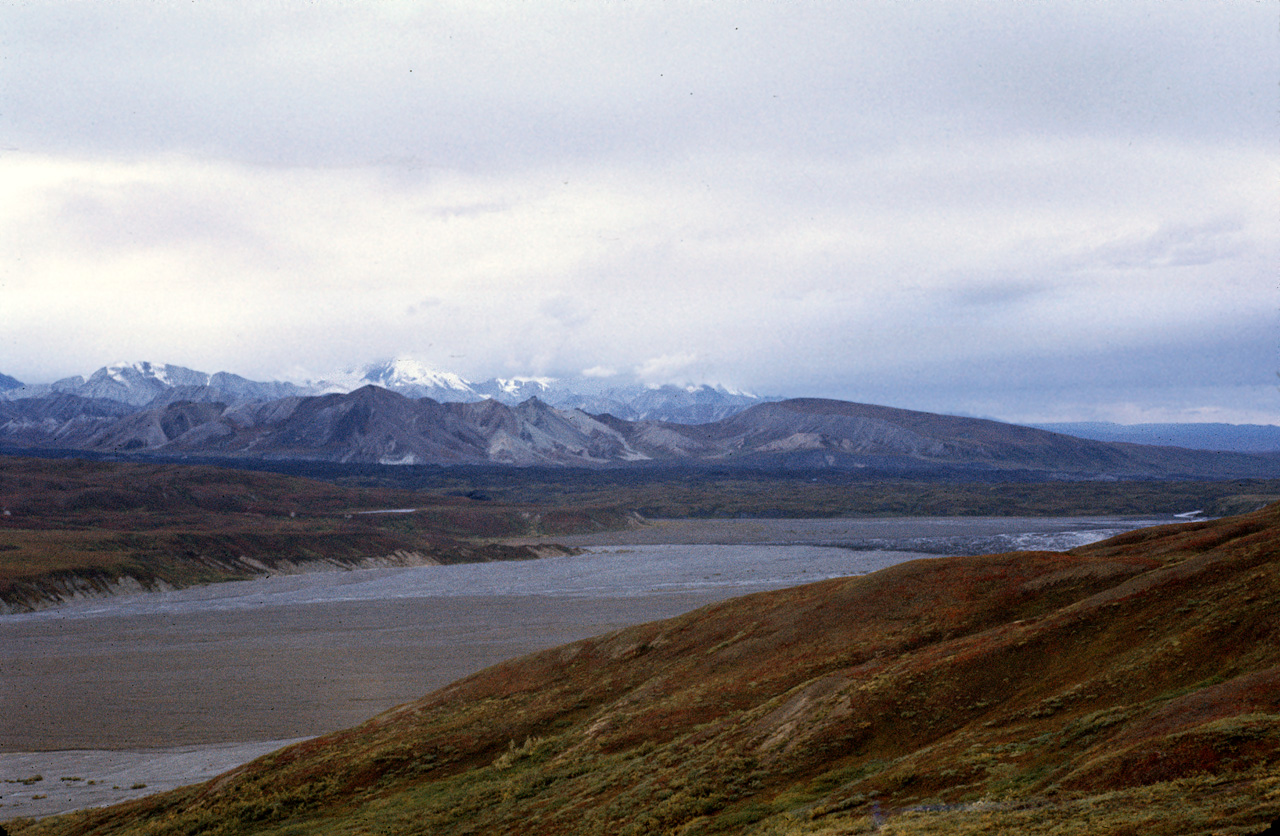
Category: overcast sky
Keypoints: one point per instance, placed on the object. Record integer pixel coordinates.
(1028, 211)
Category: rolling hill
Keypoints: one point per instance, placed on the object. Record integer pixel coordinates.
(1127, 687)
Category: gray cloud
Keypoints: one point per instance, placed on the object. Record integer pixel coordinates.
(1006, 208)
(1171, 245)
(1000, 294)
(479, 85)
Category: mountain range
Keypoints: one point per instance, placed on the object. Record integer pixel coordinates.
(376, 425)
(402, 412)
(154, 385)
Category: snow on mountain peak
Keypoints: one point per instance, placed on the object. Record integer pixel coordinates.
(116, 371)
(133, 383)
(517, 385)
(405, 375)
(163, 373)
(140, 383)
(122, 372)
(406, 371)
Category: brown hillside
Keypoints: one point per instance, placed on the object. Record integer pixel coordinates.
(70, 527)
(1132, 687)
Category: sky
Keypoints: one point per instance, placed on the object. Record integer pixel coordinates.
(1026, 211)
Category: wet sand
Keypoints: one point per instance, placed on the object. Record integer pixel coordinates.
(219, 676)
(144, 703)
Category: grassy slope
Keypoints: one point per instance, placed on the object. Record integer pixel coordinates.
(1129, 687)
(94, 522)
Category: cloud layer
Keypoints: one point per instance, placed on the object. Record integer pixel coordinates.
(1031, 211)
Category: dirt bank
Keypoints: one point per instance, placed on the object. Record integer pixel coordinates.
(59, 588)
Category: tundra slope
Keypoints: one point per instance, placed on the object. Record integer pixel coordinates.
(374, 425)
(1127, 687)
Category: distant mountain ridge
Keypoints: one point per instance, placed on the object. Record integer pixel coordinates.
(150, 385)
(145, 384)
(376, 425)
(1240, 438)
(404, 412)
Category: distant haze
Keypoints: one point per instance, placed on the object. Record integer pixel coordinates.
(1053, 211)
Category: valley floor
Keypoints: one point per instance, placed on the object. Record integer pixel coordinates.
(166, 701)
(106, 682)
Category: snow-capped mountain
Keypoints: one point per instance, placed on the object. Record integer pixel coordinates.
(150, 385)
(628, 399)
(404, 375)
(144, 384)
(132, 383)
(675, 404)
(516, 390)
